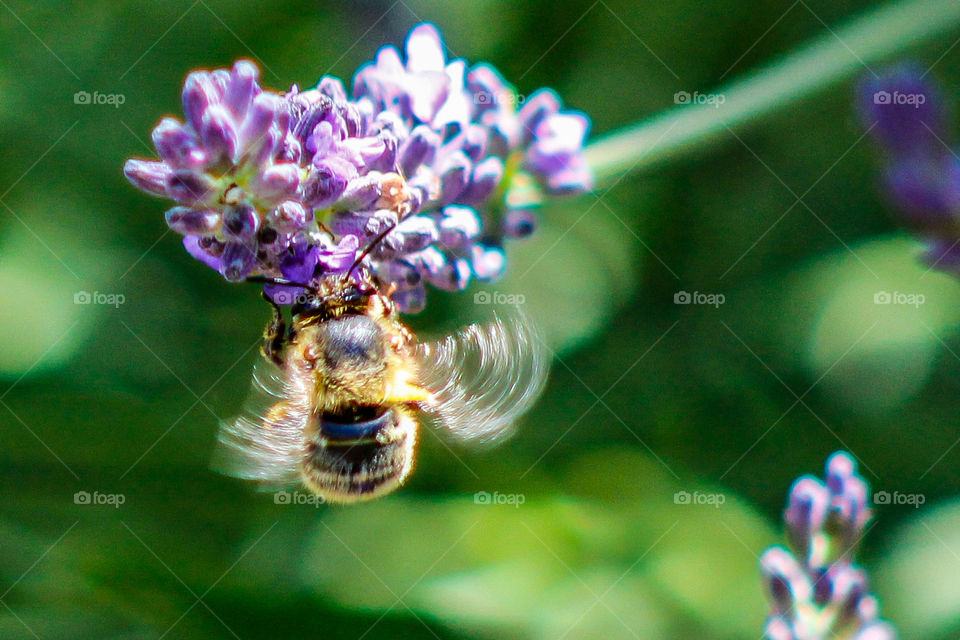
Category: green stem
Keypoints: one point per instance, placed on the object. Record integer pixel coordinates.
(826, 60)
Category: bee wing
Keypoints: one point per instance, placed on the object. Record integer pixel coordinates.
(265, 442)
(484, 377)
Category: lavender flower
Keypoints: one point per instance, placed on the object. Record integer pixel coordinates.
(907, 117)
(295, 186)
(815, 590)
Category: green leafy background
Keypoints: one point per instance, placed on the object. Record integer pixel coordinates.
(646, 398)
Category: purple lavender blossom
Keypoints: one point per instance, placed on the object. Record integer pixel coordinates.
(296, 185)
(907, 117)
(815, 590)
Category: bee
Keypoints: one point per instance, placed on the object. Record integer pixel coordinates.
(339, 394)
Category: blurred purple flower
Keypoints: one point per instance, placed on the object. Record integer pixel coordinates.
(815, 590)
(906, 115)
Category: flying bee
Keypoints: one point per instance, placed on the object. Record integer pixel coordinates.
(339, 393)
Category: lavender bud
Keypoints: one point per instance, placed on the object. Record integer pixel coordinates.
(148, 176)
(453, 276)
(240, 223)
(242, 86)
(410, 300)
(535, 109)
(486, 176)
(276, 183)
(238, 260)
(414, 234)
(291, 216)
(519, 223)
(200, 91)
(420, 148)
(458, 226)
(178, 146)
(453, 170)
(784, 579)
(327, 182)
(190, 187)
(361, 193)
(218, 130)
(186, 221)
(806, 512)
(489, 263)
(332, 88)
(402, 273)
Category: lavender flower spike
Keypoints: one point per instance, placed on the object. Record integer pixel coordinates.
(296, 185)
(906, 115)
(815, 590)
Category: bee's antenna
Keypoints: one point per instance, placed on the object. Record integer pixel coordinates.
(370, 247)
(278, 281)
(401, 215)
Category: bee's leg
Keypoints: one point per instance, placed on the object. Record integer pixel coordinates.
(274, 336)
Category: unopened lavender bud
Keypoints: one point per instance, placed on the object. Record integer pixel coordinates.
(238, 260)
(486, 176)
(877, 631)
(218, 131)
(177, 145)
(277, 182)
(260, 116)
(326, 182)
(188, 221)
(415, 234)
(332, 88)
(190, 187)
(806, 512)
(489, 263)
(458, 226)
(784, 579)
(148, 176)
(535, 109)
(420, 148)
(472, 141)
(849, 586)
(361, 193)
(779, 628)
(240, 223)
(200, 91)
(411, 300)
(454, 170)
(519, 223)
(402, 273)
(242, 86)
(291, 216)
(453, 276)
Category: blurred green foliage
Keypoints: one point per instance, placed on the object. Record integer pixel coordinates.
(647, 397)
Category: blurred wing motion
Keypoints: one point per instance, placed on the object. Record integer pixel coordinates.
(265, 442)
(484, 377)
